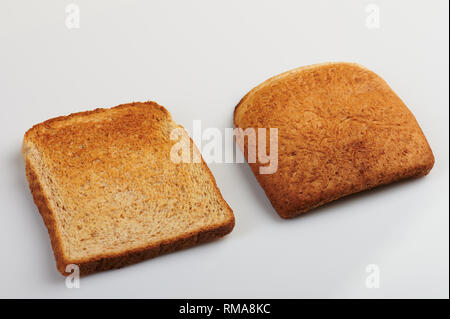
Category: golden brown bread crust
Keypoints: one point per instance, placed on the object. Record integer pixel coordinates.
(115, 260)
(133, 257)
(341, 130)
(44, 209)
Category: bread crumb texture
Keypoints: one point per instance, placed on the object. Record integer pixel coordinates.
(110, 195)
(341, 130)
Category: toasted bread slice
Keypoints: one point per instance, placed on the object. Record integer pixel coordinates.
(341, 130)
(109, 193)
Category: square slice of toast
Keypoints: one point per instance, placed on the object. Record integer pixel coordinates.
(111, 195)
(341, 130)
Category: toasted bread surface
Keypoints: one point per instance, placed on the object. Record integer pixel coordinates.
(341, 130)
(109, 193)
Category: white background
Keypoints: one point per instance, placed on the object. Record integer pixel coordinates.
(198, 58)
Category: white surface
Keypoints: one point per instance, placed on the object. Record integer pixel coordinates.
(198, 58)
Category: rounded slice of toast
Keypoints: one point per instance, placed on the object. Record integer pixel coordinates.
(341, 130)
